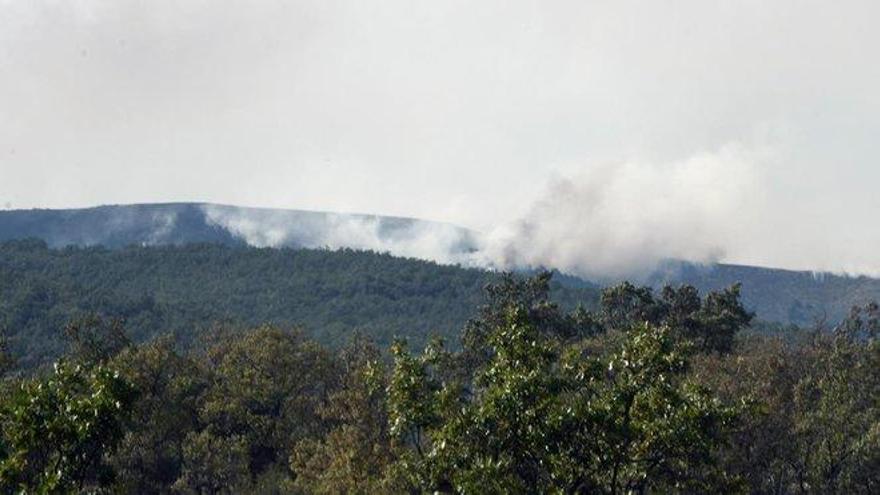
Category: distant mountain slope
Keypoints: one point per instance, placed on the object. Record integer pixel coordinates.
(776, 295)
(785, 296)
(115, 226)
(184, 223)
(183, 289)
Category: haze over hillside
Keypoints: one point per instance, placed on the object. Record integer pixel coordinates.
(186, 289)
(183, 223)
(505, 246)
(776, 295)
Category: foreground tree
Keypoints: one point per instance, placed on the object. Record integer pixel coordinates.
(356, 451)
(657, 393)
(837, 408)
(710, 324)
(171, 389)
(267, 388)
(543, 417)
(762, 374)
(812, 424)
(57, 431)
(532, 297)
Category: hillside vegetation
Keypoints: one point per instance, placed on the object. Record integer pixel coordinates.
(652, 392)
(159, 224)
(184, 290)
(780, 296)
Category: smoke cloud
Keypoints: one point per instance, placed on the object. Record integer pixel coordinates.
(443, 243)
(608, 222)
(621, 220)
(460, 111)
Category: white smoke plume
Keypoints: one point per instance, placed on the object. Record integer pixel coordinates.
(163, 226)
(608, 222)
(622, 220)
(440, 242)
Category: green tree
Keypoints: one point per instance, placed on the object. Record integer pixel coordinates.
(214, 464)
(813, 415)
(626, 305)
(543, 417)
(267, 388)
(171, 389)
(355, 453)
(710, 324)
(57, 431)
(762, 373)
(837, 408)
(93, 339)
(7, 361)
(653, 428)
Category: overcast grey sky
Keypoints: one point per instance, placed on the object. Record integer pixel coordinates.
(742, 130)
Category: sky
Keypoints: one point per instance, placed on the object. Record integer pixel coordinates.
(592, 135)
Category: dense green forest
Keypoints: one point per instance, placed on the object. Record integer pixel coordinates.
(775, 295)
(185, 290)
(163, 224)
(206, 368)
(783, 296)
(651, 392)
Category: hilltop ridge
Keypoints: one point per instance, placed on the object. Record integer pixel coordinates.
(776, 295)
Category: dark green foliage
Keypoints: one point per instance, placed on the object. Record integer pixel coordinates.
(652, 393)
(540, 416)
(267, 389)
(7, 362)
(837, 410)
(58, 430)
(783, 296)
(533, 297)
(186, 289)
(709, 324)
(172, 389)
(813, 415)
(354, 453)
(93, 339)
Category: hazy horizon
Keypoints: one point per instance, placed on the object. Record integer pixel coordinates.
(590, 136)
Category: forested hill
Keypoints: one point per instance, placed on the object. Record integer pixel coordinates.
(156, 224)
(775, 295)
(183, 289)
(783, 296)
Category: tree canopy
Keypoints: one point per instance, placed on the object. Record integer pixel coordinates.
(651, 392)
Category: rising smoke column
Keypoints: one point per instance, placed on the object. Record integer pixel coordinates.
(435, 241)
(622, 220)
(608, 222)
